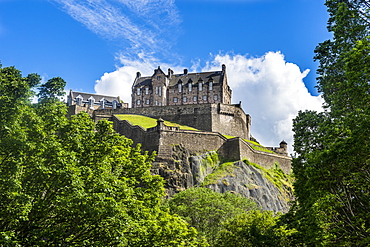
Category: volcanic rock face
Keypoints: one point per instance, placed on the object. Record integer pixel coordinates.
(250, 182)
(184, 171)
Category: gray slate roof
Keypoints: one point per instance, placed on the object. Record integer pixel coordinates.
(97, 97)
(216, 76)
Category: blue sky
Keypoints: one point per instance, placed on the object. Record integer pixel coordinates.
(97, 46)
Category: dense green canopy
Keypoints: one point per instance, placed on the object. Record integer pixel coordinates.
(71, 182)
(333, 152)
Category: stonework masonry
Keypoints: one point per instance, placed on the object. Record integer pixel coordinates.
(162, 138)
(199, 100)
(225, 119)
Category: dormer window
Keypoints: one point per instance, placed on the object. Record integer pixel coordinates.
(180, 87)
(102, 103)
(210, 85)
(190, 87)
(79, 99)
(200, 86)
(158, 78)
(91, 101)
(138, 91)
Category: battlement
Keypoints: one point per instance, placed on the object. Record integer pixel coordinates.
(199, 100)
(162, 138)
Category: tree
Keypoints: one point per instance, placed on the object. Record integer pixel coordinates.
(205, 209)
(71, 182)
(255, 228)
(332, 163)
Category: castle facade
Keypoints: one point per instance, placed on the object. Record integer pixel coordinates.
(199, 100)
(162, 89)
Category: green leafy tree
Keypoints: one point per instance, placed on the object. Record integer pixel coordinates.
(332, 163)
(205, 209)
(71, 182)
(255, 228)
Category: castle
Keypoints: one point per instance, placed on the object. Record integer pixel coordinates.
(199, 100)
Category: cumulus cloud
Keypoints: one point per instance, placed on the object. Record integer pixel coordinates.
(272, 90)
(120, 81)
(145, 25)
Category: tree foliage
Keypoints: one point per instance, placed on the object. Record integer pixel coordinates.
(71, 182)
(254, 228)
(333, 155)
(205, 209)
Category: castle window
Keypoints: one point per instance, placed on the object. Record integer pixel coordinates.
(190, 87)
(156, 90)
(180, 88)
(146, 90)
(138, 102)
(185, 99)
(195, 98)
(158, 78)
(215, 97)
(138, 91)
(210, 85)
(160, 103)
(200, 86)
(156, 102)
(147, 101)
(160, 91)
(91, 101)
(79, 99)
(175, 100)
(204, 97)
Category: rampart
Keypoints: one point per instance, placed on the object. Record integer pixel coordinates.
(162, 138)
(226, 119)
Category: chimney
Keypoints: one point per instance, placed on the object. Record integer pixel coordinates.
(138, 74)
(170, 73)
(223, 69)
(185, 71)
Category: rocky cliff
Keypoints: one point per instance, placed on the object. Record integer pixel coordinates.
(270, 189)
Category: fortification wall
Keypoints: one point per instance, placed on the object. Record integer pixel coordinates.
(238, 149)
(149, 140)
(162, 139)
(225, 119)
(195, 141)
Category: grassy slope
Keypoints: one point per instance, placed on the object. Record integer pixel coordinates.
(254, 145)
(147, 122)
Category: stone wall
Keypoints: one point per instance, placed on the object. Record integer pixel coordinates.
(162, 138)
(238, 149)
(225, 119)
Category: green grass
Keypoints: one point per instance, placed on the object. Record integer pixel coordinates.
(254, 145)
(147, 122)
(276, 176)
(221, 171)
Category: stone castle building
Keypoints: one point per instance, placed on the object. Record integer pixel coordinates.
(199, 100)
(162, 89)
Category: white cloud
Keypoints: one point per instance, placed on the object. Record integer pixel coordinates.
(271, 90)
(120, 81)
(145, 25)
